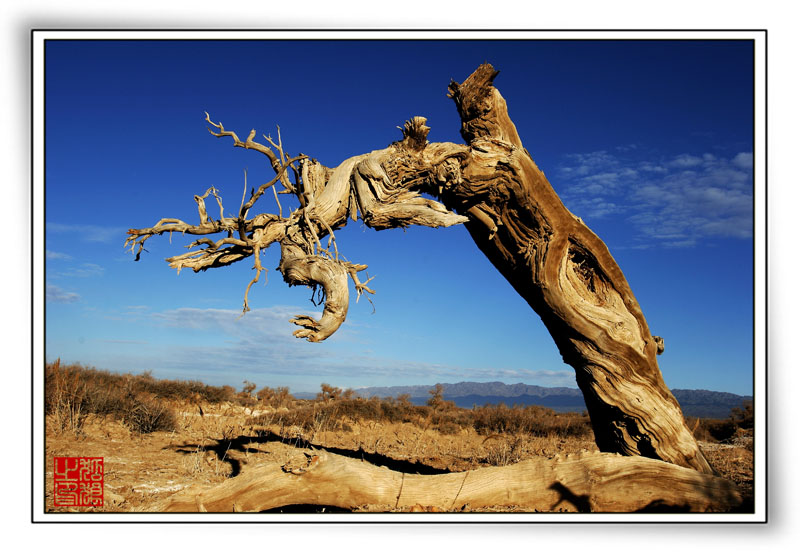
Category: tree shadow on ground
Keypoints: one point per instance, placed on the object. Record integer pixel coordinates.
(581, 502)
(307, 509)
(222, 449)
(662, 507)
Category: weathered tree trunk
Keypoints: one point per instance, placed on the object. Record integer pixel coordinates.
(562, 269)
(589, 482)
(567, 275)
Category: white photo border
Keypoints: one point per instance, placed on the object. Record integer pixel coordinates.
(760, 377)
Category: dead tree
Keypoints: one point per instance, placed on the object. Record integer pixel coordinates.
(587, 482)
(492, 185)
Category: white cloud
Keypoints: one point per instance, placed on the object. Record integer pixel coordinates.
(675, 202)
(85, 270)
(89, 233)
(588, 163)
(681, 243)
(685, 160)
(258, 322)
(652, 168)
(743, 160)
(260, 347)
(57, 255)
(541, 377)
(58, 295)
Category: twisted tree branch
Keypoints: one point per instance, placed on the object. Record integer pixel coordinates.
(364, 185)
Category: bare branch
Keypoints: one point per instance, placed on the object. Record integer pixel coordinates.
(257, 194)
(244, 192)
(259, 269)
(278, 164)
(201, 205)
(249, 144)
(287, 185)
(352, 270)
(278, 202)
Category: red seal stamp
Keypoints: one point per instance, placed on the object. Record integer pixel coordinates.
(77, 481)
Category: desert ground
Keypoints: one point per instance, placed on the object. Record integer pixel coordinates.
(174, 444)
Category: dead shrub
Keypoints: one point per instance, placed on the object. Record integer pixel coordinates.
(743, 417)
(74, 392)
(532, 420)
(278, 397)
(170, 389)
(143, 414)
(503, 450)
(329, 393)
(449, 428)
(65, 397)
(722, 430)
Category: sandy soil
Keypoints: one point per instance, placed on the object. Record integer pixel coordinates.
(207, 449)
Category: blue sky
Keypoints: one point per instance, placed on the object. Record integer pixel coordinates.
(650, 143)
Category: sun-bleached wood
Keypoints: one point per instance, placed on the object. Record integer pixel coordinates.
(492, 185)
(588, 482)
(568, 276)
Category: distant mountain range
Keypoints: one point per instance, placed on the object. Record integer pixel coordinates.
(695, 403)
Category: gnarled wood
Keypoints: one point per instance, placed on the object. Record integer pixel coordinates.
(556, 263)
(589, 482)
(567, 275)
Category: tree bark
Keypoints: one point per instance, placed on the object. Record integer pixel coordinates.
(556, 263)
(589, 482)
(567, 275)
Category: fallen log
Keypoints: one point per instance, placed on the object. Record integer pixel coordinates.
(587, 482)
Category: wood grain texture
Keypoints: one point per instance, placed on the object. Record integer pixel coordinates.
(569, 277)
(590, 482)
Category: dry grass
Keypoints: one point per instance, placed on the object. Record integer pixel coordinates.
(162, 436)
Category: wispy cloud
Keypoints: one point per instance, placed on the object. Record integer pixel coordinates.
(683, 161)
(58, 295)
(541, 377)
(674, 202)
(88, 233)
(261, 338)
(51, 255)
(261, 347)
(85, 270)
(260, 321)
(135, 311)
(743, 160)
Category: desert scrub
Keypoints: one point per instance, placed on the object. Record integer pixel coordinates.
(147, 414)
(278, 397)
(73, 392)
(503, 450)
(65, 398)
(722, 430)
(333, 409)
(532, 420)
